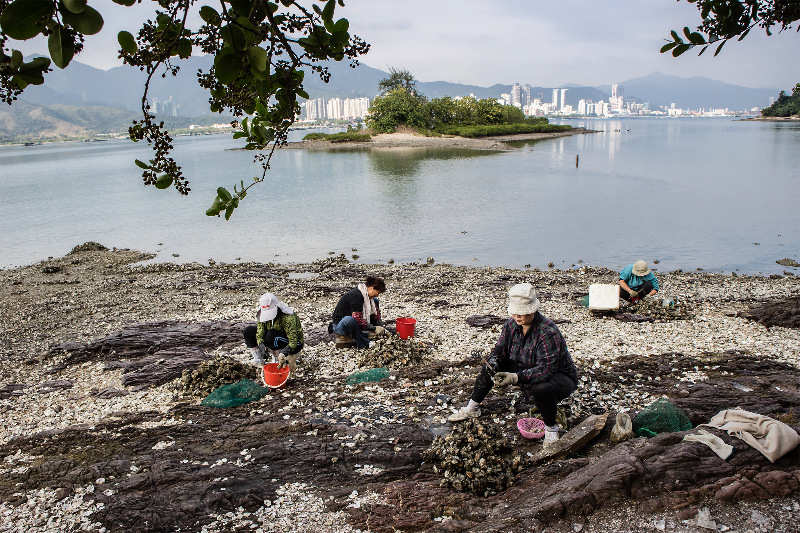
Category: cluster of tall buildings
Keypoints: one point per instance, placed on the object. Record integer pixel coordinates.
(165, 107)
(335, 108)
(520, 96)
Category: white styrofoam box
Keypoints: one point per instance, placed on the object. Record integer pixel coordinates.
(603, 296)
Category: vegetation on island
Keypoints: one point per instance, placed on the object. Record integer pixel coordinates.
(260, 49)
(401, 104)
(351, 135)
(785, 105)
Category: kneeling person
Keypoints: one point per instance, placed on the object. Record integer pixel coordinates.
(359, 311)
(532, 354)
(278, 330)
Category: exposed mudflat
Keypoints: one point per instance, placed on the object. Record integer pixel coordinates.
(100, 433)
(409, 140)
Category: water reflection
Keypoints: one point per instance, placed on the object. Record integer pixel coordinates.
(407, 162)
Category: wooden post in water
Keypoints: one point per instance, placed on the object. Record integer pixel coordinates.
(576, 161)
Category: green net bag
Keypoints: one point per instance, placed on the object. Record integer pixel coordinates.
(660, 417)
(235, 394)
(375, 374)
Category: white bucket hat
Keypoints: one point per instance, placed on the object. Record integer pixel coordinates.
(522, 300)
(640, 268)
(268, 306)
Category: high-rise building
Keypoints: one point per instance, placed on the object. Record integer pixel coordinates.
(563, 99)
(154, 107)
(526, 94)
(616, 91)
(516, 95)
(555, 99)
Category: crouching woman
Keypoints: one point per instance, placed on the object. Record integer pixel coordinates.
(277, 331)
(532, 354)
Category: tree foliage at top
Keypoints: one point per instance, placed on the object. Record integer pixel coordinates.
(259, 46)
(398, 79)
(785, 105)
(724, 20)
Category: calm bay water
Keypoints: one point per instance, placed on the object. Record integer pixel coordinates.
(688, 192)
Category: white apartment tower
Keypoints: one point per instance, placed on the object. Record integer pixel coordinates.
(563, 99)
(555, 99)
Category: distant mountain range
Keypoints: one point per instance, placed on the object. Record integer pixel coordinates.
(81, 84)
(85, 87)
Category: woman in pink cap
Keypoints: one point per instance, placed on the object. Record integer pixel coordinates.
(278, 330)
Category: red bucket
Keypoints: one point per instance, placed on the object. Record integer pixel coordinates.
(275, 378)
(405, 327)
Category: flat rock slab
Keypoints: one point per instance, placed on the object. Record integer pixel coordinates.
(574, 440)
(784, 313)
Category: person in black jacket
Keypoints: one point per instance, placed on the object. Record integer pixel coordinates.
(358, 311)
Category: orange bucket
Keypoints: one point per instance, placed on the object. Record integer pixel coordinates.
(405, 327)
(275, 378)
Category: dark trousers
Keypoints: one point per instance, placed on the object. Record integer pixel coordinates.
(275, 339)
(643, 290)
(545, 395)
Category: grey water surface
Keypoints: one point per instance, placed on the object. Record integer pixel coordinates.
(691, 193)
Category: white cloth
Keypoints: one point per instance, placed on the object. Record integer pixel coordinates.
(716, 444)
(772, 438)
(369, 304)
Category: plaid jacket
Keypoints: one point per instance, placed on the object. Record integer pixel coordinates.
(539, 354)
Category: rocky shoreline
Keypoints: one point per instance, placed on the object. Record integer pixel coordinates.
(99, 433)
(408, 140)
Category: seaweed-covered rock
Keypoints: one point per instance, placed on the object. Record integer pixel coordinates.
(393, 352)
(214, 374)
(785, 313)
(475, 457)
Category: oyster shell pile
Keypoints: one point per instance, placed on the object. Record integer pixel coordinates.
(475, 457)
(653, 307)
(215, 373)
(393, 352)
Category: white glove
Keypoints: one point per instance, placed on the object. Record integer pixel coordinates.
(503, 379)
(380, 330)
(290, 360)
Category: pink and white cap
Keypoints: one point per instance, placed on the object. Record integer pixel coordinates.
(268, 306)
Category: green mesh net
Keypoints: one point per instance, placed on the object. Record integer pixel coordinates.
(235, 394)
(660, 417)
(375, 374)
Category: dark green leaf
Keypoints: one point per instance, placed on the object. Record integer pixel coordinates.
(227, 66)
(224, 194)
(184, 48)
(125, 2)
(233, 36)
(697, 38)
(258, 57)
(317, 9)
(16, 59)
(61, 46)
(239, 135)
(229, 211)
(19, 82)
(163, 181)
(341, 25)
(242, 7)
(667, 47)
(87, 22)
(703, 50)
(141, 164)
(76, 6)
(687, 32)
(719, 48)
(210, 15)
(681, 48)
(127, 42)
(302, 94)
(212, 212)
(675, 36)
(19, 18)
(39, 64)
(327, 13)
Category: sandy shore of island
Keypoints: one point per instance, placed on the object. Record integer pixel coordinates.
(410, 140)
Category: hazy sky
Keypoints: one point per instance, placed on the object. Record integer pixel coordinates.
(483, 42)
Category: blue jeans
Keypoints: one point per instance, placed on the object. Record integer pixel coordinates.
(349, 326)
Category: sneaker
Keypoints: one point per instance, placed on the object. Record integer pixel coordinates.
(465, 413)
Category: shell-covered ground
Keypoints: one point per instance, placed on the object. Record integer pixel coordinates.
(97, 433)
